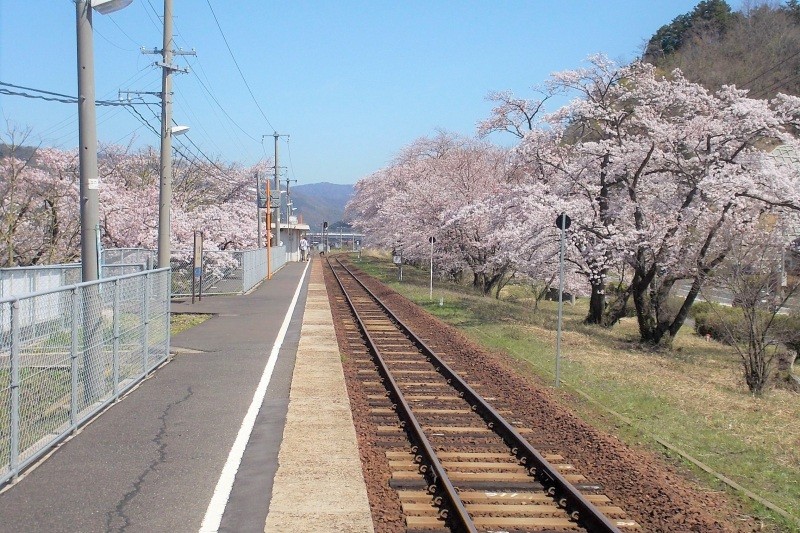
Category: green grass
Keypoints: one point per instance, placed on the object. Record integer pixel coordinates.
(693, 396)
(182, 322)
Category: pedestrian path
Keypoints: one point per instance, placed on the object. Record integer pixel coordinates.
(171, 455)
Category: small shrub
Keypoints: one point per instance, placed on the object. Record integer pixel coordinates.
(716, 321)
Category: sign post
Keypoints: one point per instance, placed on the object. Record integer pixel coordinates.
(397, 259)
(431, 240)
(269, 239)
(562, 222)
(197, 265)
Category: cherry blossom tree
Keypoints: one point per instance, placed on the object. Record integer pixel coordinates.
(39, 207)
(38, 203)
(658, 170)
(447, 187)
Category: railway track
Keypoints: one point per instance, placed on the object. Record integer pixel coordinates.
(456, 463)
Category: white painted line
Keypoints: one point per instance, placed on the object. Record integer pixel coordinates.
(222, 492)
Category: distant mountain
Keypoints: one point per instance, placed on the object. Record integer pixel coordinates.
(318, 202)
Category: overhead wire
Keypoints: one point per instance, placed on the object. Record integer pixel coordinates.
(191, 157)
(776, 85)
(204, 85)
(72, 118)
(208, 91)
(131, 39)
(237, 64)
(109, 41)
(291, 165)
(158, 17)
(189, 139)
(54, 97)
(770, 69)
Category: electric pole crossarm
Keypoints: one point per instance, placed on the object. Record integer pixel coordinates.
(159, 52)
(136, 93)
(171, 67)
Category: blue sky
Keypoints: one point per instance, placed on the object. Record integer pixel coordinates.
(350, 82)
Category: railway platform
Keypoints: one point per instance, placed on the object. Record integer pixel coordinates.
(222, 437)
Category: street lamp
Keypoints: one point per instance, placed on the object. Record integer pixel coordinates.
(104, 7)
(87, 133)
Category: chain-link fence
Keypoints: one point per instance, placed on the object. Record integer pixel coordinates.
(65, 353)
(129, 256)
(224, 272)
(27, 280)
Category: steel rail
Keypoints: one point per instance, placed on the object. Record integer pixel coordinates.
(436, 472)
(577, 506)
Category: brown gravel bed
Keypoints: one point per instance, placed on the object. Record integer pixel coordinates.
(652, 492)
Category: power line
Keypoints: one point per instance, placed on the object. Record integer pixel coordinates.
(770, 69)
(112, 43)
(54, 97)
(192, 160)
(158, 17)
(114, 22)
(776, 85)
(237, 64)
(143, 120)
(203, 85)
(210, 161)
(291, 165)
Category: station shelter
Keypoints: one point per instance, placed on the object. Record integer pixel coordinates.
(291, 233)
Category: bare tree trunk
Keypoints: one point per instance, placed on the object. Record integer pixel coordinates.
(597, 304)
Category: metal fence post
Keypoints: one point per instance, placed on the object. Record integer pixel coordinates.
(146, 323)
(115, 349)
(168, 297)
(73, 361)
(14, 458)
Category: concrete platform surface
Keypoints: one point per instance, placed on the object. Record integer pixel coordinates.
(319, 485)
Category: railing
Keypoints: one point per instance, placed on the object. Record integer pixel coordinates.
(17, 281)
(85, 345)
(225, 272)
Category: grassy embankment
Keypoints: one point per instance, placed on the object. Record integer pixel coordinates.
(692, 397)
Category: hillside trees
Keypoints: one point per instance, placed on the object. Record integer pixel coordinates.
(755, 48)
(709, 19)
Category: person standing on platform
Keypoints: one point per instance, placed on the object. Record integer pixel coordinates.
(303, 249)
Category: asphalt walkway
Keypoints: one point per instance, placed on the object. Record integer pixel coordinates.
(161, 459)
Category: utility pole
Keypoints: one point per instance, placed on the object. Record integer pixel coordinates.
(91, 375)
(277, 219)
(260, 236)
(288, 204)
(165, 188)
(87, 140)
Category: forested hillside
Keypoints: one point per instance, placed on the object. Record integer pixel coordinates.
(757, 48)
(319, 202)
